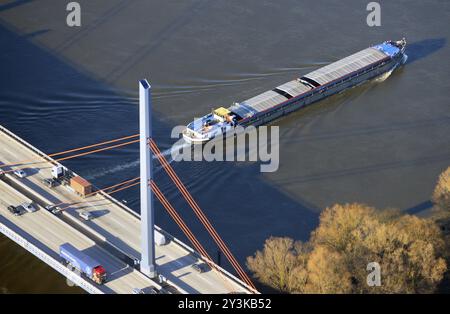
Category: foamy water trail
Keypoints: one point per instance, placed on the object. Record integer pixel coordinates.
(114, 169)
(107, 171)
(174, 151)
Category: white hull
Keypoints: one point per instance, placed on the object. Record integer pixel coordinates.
(191, 140)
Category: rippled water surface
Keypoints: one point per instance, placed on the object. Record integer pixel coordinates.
(383, 143)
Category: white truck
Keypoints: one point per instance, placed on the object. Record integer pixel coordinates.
(57, 171)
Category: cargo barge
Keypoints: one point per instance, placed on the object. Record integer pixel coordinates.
(291, 96)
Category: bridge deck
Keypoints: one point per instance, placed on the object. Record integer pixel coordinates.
(48, 233)
(111, 223)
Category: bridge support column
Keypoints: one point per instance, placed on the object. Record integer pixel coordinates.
(147, 264)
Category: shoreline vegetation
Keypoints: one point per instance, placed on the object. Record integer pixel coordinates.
(413, 252)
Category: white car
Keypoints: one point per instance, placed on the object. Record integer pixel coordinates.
(29, 207)
(85, 215)
(20, 173)
(55, 210)
(138, 291)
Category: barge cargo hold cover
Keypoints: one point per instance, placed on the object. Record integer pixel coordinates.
(293, 95)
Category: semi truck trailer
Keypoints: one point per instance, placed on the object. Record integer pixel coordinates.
(85, 264)
(80, 186)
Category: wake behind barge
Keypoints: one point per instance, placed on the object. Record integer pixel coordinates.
(291, 96)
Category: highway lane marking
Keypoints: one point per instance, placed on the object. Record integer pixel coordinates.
(120, 270)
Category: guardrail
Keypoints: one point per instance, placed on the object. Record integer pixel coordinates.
(46, 258)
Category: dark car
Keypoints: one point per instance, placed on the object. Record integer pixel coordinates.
(20, 173)
(12, 209)
(49, 182)
(15, 210)
(169, 289)
(200, 268)
(137, 291)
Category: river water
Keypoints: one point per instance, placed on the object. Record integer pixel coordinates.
(383, 143)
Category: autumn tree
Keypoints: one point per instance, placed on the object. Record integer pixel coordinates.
(441, 215)
(275, 264)
(349, 237)
(409, 249)
(326, 272)
(441, 194)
